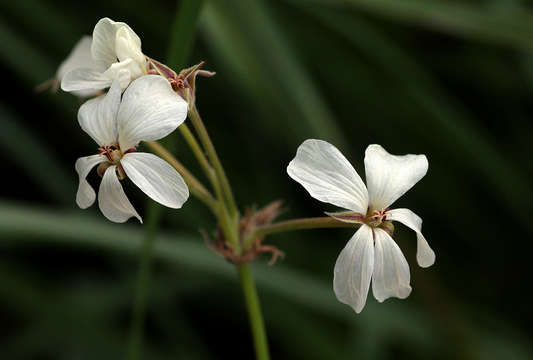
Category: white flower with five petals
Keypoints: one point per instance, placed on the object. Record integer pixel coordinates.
(116, 53)
(149, 110)
(371, 254)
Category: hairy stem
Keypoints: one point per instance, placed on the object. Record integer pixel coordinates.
(295, 224)
(254, 311)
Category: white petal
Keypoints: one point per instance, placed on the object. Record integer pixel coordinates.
(128, 46)
(104, 41)
(424, 255)
(353, 269)
(97, 117)
(85, 79)
(79, 57)
(389, 176)
(391, 272)
(326, 174)
(112, 200)
(157, 178)
(150, 110)
(85, 195)
(125, 71)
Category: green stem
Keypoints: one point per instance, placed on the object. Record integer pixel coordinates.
(254, 311)
(200, 156)
(143, 280)
(295, 224)
(215, 161)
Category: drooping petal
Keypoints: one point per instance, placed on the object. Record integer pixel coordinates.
(79, 57)
(326, 174)
(389, 176)
(156, 178)
(353, 269)
(85, 79)
(86, 195)
(97, 117)
(103, 48)
(391, 272)
(150, 110)
(424, 254)
(112, 200)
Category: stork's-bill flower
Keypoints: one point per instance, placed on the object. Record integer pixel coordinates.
(371, 254)
(149, 110)
(116, 53)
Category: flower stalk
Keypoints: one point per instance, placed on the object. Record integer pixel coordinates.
(215, 161)
(294, 224)
(228, 218)
(200, 156)
(254, 311)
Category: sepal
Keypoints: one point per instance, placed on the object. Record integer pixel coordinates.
(347, 216)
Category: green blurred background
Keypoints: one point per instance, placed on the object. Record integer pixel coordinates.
(450, 79)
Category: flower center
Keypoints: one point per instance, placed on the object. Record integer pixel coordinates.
(376, 218)
(112, 152)
(114, 155)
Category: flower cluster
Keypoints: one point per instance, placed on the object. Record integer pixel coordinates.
(146, 101)
(149, 109)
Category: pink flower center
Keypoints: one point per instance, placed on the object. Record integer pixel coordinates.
(376, 217)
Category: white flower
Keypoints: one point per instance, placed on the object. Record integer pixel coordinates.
(79, 57)
(116, 53)
(371, 253)
(149, 111)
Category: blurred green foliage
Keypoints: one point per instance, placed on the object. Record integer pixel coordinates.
(451, 79)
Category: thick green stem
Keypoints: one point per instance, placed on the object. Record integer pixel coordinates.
(254, 311)
(295, 224)
(215, 161)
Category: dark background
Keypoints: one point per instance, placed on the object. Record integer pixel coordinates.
(450, 79)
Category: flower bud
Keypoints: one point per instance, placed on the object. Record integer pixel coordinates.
(183, 83)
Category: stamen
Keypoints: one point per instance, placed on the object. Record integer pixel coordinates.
(377, 217)
(112, 152)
